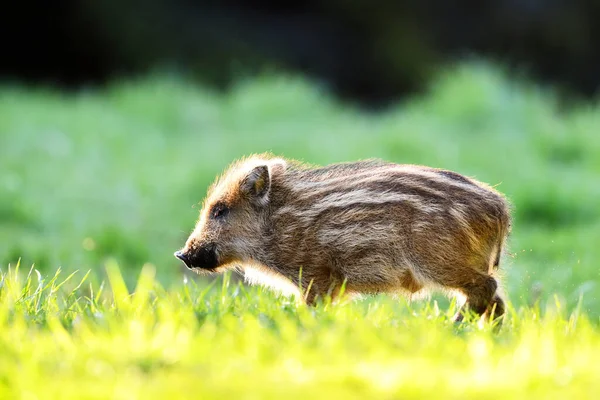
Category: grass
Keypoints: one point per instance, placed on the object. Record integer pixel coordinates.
(101, 178)
(229, 341)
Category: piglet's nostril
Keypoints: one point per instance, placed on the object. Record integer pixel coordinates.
(181, 255)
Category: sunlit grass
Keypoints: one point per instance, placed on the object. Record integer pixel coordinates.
(62, 337)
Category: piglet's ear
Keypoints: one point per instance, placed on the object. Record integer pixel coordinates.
(257, 183)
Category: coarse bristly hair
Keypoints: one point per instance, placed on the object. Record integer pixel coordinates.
(370, 226)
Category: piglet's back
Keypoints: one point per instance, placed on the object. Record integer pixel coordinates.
(356, 215)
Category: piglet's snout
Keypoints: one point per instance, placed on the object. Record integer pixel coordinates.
(203, 257)
(183, 257)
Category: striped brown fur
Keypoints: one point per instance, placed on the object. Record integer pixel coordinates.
(371, 225)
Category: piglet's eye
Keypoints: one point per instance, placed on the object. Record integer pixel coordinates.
(220, 211)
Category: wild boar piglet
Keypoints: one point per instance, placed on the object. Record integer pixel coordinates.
(372, 226)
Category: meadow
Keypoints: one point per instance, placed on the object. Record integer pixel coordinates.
(105, 184)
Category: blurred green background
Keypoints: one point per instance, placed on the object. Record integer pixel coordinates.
(117, 172)
(116, 116)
